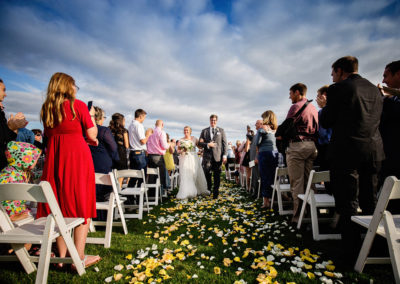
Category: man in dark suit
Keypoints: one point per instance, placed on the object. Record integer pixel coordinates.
(353, 111)
(213, 141)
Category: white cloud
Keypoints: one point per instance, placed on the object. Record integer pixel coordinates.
(181, 61)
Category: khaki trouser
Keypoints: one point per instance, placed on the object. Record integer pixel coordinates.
(299, 157)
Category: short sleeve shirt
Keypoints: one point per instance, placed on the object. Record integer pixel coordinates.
(136, 133)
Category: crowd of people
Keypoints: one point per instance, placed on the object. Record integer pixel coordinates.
(353, 135)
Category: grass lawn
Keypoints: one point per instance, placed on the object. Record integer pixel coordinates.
(229, 240)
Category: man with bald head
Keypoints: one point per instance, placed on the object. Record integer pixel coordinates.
(156, 147)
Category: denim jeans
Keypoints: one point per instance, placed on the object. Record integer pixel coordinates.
(267, 162)
(137, 162)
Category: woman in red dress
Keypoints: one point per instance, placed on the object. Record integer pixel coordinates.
(68, 165)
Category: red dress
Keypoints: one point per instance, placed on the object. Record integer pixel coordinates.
(69, 165)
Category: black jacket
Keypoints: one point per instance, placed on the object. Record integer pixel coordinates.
(353, 111)
(6, 135)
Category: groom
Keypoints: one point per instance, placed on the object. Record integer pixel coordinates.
(213, 141)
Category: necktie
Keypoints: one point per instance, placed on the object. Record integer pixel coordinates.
(213, 132)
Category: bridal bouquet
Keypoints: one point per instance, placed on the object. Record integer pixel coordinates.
(186, 146)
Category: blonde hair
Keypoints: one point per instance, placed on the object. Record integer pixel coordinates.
(190, 129)
(98, 114)
(61, 88)
(269, 118)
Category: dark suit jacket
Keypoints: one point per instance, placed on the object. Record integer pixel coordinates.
(353, 111)
(219, 138)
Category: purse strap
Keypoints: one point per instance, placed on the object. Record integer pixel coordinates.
(302, 108)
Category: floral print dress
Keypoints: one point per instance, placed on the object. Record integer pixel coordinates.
(21, 158)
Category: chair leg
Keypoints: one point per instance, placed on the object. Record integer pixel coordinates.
(92, 228)
(45, 252)
(110, 215)
(121, 214)
(303, 209)
(280, 202)
(394, 246)
(140, 216)
(147, 201)
(314, 220)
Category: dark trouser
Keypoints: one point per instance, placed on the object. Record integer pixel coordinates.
(267, 162)
(157, 161)
(255, 175)
(138, 161)
(215, 167)
(353, 187)
(323, 163)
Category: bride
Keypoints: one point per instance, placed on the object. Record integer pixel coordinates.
(193, 181)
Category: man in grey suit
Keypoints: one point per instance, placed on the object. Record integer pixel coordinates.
(255, 175)
(213, 141)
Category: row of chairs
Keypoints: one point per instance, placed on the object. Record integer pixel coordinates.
(382, 222)
(44, 231)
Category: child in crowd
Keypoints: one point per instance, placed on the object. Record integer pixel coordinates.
(22, 158)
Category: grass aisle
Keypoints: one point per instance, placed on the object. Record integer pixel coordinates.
(202, 240)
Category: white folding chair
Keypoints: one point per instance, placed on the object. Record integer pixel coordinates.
(113, 202)
(40, 231)
(156, 185)
(141, 191)
(279, 188)
(176, 177)
(384, 224)
(231, 170)
(317, 201)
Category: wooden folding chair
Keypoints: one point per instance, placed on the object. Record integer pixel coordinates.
(279, 188)
(317, 201)
(384, 224)
(114, 202)
(157, 185)
(141, 191)
(40, 231)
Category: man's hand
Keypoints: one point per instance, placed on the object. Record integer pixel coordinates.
(211, 145)
(224, 160)
(17, 121)
(256, 161)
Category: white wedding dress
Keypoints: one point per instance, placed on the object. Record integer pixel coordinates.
(192, 179)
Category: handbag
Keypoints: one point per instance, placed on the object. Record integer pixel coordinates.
(287, 130)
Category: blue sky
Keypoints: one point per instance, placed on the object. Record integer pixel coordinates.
(183, 60)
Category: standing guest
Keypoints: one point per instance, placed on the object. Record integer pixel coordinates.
(324, 134)
(38, 138)
(8, 128)
(231, 154)
(137, 140)
(389, 126)
(237, 160)
(156, 146)
(255, 173)
(120, 133)
(353, 111)
(104, 155)
(267, 155)
(168, 156)
(25, 135)
(64, 117)
(301, 152)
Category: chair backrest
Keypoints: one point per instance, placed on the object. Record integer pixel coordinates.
(153, 171)
(320, 176)
(281, 172)
(390, 190)
(107, 179)
(129, 174)
(33, 192)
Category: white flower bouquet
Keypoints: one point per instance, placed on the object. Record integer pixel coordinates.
(186, 146)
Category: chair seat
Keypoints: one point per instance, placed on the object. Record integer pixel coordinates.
(133, 190)
(34, 231)
(103, 205)
(366, 220)
(321, 200)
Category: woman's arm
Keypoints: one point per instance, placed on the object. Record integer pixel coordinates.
(126, 140)
(111, 145)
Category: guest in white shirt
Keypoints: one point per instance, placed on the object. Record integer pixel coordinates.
(137, 142)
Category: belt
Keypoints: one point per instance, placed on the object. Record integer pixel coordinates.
(154, 154)
(301, 140)
(137, 152)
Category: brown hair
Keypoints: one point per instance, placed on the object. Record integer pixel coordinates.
(348, 64)
(214, 116)
(269, 118)
(139, 112)
(299, 87)
(323, 89)
(61, 88)
(117, 123)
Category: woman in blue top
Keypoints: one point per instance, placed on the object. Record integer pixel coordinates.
(267, 155)
(103, 157)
